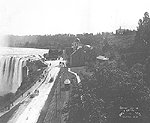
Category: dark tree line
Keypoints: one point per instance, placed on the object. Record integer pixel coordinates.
(48, 41)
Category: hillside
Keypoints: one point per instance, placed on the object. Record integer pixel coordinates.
(122, 41)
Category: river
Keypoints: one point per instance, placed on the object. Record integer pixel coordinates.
(21, 51)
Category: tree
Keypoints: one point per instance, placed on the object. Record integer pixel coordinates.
(142, 39)
(26, 44)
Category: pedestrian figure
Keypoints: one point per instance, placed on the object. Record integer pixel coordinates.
(11, 102)
(22, 94)
(36, 92)
(8, 106)
(51, 80)
(28, 93)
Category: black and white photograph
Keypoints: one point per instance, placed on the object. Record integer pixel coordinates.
(74, 61)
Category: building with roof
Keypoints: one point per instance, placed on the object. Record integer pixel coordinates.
(78, 58)
(67, 52)
(101, 58)
(120, 31)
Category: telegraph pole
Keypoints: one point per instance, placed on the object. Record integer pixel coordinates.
(61, 80)
(60, 86)
(56, 102)
(60, 92)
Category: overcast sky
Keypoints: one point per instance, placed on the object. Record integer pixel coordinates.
(24, 17)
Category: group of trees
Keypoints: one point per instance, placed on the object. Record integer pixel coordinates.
(41, 41)
(142, 38)
(110, 94)
(47, 41)
(139, 49)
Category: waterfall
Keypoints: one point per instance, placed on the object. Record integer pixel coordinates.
(10, 74)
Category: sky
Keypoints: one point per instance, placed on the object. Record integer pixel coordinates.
(40, 17)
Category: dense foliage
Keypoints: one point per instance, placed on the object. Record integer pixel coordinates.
(110, 95)
(142, 39)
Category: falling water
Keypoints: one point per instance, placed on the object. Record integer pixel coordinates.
(10, 74)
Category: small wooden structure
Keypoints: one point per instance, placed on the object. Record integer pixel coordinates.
(67, 84)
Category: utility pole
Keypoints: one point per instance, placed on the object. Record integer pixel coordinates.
(56, 102)
(61, 79)
(60, 86)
